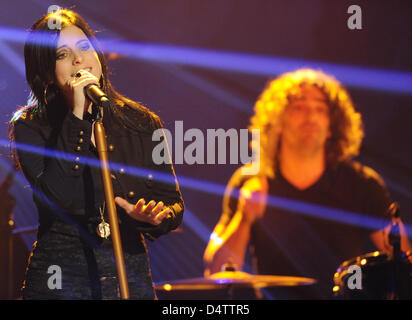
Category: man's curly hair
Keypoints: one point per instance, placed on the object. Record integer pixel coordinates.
(345, 123)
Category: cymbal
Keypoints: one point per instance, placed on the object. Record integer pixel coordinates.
(223, 279)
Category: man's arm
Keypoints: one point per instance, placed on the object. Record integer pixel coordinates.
(380, 239)
(228, 244)
(377, 203)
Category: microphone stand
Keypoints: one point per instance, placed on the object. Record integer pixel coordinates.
(101, 144)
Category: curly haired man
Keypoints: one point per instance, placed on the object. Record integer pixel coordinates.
(311, 206)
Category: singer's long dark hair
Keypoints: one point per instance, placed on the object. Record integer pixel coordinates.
(46, 102)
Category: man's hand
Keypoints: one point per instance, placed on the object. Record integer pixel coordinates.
(253, 199)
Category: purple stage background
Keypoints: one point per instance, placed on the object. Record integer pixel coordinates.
(213, 91)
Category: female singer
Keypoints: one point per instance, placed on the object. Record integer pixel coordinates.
(55, 147)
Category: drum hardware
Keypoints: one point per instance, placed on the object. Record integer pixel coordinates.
(230, 279)
(384, 276)
(395, 242)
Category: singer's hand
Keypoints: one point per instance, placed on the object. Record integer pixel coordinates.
(75, 91)
(150, 213)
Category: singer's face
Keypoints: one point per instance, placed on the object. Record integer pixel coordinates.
(74, 52)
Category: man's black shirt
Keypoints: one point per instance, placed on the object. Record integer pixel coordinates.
(294, 242)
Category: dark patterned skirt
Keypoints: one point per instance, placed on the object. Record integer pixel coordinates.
(72, 263)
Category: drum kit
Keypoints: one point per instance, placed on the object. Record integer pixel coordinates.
(232, 280)
(383, 276)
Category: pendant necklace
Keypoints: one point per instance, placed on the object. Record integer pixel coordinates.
(103, 229)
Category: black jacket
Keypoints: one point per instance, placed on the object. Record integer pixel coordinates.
(56, 157)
